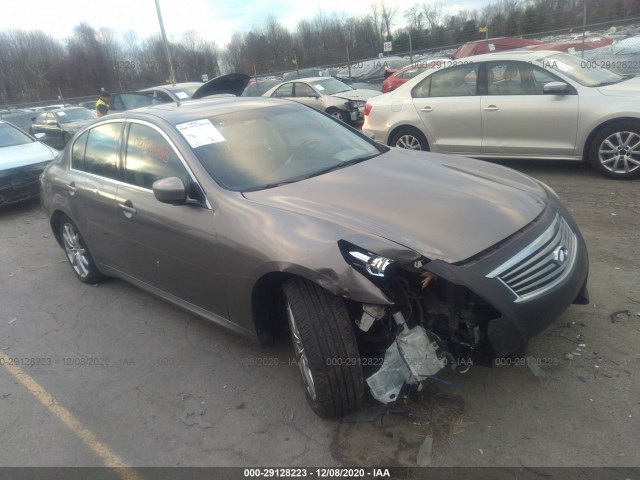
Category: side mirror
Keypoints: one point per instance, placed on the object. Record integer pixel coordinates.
(170, 190)
(40, 136)
(555, 88)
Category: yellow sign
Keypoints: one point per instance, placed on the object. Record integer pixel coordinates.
(482, 29)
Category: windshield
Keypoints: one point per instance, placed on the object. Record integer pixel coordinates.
(266, 147)
(582, 71)
(74, 114)
(10, 136)
(330, 86)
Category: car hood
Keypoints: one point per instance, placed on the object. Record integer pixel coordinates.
(358, 94)
(233, 83)
(628, 88)
(27, 154)
(443, 207)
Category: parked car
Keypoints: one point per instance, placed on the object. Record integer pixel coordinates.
(256, 88)
(21, 118)
(405, 74)
(544, 105)
(22, 160)
(231, 84)
(258, 213)
(59, 125)
(327, 95)
(490, 45)
(173, 92)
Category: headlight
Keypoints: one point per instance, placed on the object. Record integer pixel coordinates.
(363, 260)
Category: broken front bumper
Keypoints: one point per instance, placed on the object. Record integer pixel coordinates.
(501, 276)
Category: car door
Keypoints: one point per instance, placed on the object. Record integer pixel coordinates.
(170, 247)
(303, 93)
(284, 91)
(519, 119)
(91, 187)
(448, 105)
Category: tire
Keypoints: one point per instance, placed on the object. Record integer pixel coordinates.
(410, 139)
(78, 254)
(615, 151)
(339, 114)
(325, 348)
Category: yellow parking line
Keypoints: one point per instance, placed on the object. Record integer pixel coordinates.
(110, 459)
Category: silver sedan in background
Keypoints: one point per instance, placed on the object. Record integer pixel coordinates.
(326, 94)
(540, 105)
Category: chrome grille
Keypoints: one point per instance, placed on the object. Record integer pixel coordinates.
(542, 265)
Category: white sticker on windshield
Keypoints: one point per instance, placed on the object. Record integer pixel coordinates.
(182, 95)
(319, 87)
(61, 114)
(492, 47)
(200, 132)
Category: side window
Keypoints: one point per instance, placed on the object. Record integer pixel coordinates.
(304, 90)
(102, 152)
(458, 81)
(77, 152)
(516, 78)
(149, 157)
(422, 89)
(284, 91)
(409, 73)
(41, 119)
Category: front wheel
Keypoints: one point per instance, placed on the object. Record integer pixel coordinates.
(339, 114)
(325, 348)
(615, 151)
(77, 252)
(410, 139)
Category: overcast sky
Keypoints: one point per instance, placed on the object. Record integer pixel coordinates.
(213, 19)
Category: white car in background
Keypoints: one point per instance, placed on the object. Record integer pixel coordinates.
(539, 105)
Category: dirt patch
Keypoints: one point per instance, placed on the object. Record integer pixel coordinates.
(392, 437)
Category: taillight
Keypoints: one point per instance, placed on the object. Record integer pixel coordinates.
(367, 109)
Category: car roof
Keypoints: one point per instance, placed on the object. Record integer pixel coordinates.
(172, 87)
(64, 109)
(526, 55)
(190, 110)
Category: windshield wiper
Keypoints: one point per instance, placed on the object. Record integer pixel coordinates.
(338, 166)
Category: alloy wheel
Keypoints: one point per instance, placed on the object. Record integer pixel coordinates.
(76, 252)
(620, 152)
(301, 356)
(410, 142)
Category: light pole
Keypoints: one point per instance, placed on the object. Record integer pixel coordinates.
(172, 76)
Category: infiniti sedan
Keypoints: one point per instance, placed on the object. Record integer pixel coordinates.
(540, 105)
(265, 215)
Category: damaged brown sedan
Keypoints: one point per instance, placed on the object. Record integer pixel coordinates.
(387, 265)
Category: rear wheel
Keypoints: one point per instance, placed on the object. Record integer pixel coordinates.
(77, 252)
(410, 139)
(615, 151)
(325, 348)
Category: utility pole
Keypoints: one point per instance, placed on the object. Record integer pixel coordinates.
(172, 76)
(584, 25)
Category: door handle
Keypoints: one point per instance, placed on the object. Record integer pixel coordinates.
(72, 188)
(491, 108)
(127, 208)
(426, 109)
